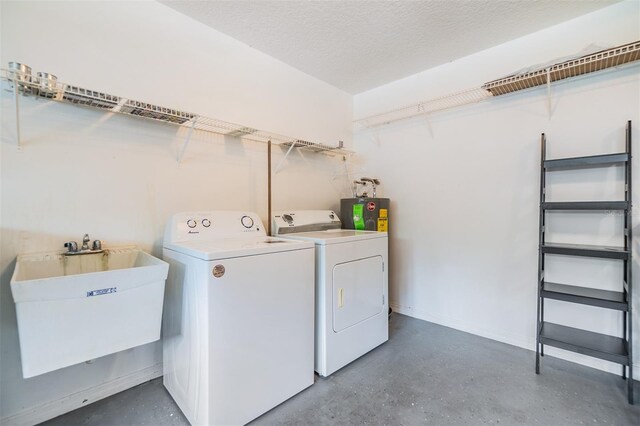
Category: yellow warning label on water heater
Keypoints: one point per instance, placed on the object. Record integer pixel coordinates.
(382, 223)
(383, 213)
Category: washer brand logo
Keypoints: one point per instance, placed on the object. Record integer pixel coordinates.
(218, 271)
(371, 206)
(102, 291)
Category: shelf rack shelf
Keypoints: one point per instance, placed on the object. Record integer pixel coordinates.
(586, 205)
(597, 345)
(611, 348)
(585, 250)
(29, 85)
(585, 296)
(584, 162)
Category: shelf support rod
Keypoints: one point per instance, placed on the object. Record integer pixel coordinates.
(17, 105)
(186, 141)
(293, 144)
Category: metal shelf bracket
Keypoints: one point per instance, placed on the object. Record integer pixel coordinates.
(186, 140)
(429, 126)
(293, 144)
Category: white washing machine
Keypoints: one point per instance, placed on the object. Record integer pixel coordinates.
(238, 329)
(351, 285)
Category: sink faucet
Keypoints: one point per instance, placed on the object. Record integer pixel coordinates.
(72, 246)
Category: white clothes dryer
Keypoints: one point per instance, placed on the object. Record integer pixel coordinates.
(351, 285)
(238, 317)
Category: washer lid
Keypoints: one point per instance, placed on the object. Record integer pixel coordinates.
(337, 236)
(236, 247)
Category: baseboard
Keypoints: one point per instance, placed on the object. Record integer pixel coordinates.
(502, 337)
(510, 339)
(51, 409)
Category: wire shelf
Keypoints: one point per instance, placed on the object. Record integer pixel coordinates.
(310, 146)
(226, 128)
(598, 61)
(155, 112)
(601, 60)
(40, 87)
(80, 96)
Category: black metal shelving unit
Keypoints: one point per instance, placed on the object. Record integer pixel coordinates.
(610, 348)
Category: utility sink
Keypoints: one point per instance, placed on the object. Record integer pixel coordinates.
(73, 309)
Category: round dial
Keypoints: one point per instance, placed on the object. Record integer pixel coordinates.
(191, 223)
(206, 223)
(287, 218)
(246, 221)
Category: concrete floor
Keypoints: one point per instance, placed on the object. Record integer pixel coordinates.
(425, 374)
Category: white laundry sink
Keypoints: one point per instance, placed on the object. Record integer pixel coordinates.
(76, 308)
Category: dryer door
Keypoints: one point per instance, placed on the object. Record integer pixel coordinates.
(357, 291)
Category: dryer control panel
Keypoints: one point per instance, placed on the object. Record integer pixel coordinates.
(193, 226)
(287, 222)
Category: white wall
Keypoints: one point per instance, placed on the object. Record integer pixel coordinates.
(117, 178)
(464, 185)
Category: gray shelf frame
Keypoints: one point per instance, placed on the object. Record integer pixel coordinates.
(617, 349)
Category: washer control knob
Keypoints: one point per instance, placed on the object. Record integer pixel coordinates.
(191, 223)
(287, 218)
(206, 223)
(246, 221)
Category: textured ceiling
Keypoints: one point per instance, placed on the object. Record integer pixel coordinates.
(359, 45)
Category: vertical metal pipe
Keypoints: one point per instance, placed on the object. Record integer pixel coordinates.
(549, 92)
(17, 105)
(269, 187)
